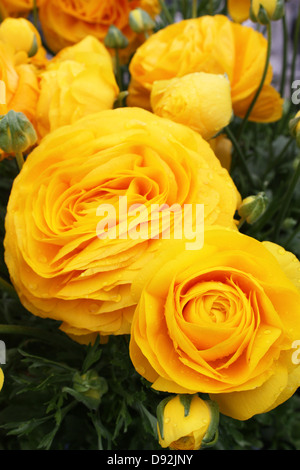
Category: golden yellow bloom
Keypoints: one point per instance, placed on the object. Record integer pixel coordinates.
(17, 7)
(21, 84)
(64, 94)
(221, 320)
(201, 101)
(181, 428)
(211, 44)
(1, 378)
(239, 10)
(62, 264)
(67, 22)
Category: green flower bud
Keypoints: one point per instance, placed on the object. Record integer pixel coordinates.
(88, 388)
(115, 39)
(264, 11)
(140, 21)
(252, 207)
(17, 134)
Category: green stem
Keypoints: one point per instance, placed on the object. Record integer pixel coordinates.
(240, 155)
(37, 333)
(4, 285)
(263, 78)
(118, 70)
(286, 202)
(295, 51)
(284, 55)
(279, 158)
(35, 14)
(194, 9)
(20, 160)
(166, 11)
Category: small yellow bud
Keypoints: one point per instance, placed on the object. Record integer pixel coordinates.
(140, 21)
(201, 101)
(115, 39)
(17, 134)
(294, 127)
(186, 422)
(21, 35)
(253, 207)
(263, 11)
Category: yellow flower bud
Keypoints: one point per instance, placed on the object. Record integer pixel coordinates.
(17, 134)
(294, 127)
(186, 422)
(115, 39)
(21, 35)
(201, 101)
(263, 11)
(253, 207)
(140, 21)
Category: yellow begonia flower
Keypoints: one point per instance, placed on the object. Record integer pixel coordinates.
(64, 94)
(222, 321)
(211, 44)
(239, 10)
(182, 429)
(200, 100)
(58, 264)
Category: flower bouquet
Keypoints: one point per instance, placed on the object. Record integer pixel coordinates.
(150, 242)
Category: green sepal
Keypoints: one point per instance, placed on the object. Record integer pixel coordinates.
(186, 401)
(212, 432)
(34, 47)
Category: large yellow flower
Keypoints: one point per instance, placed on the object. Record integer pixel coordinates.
(66, 22)
(222, 321)
(79, 80)
(211, 44)
(60, 262)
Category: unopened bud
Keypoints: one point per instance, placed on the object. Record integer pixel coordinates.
(17, 134)
(21, 35)
(186, 422)
(89, 388)
(140, 21)
(264, 11)
(115, 39)
(253, 207)
(294, 127)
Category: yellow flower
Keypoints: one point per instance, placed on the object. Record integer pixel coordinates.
(66, 23)
(239, 10)
(62, 264)
(200, 100)
(17, 7)
(221, 320)
(184, 422)
(211, 44)
(64, 94)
